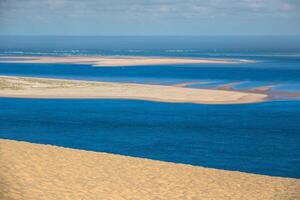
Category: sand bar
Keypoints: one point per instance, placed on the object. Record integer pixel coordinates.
(111, 61)
(185, 84)
(228, 86)
(35, 172)
(21, 87)
(263, 89)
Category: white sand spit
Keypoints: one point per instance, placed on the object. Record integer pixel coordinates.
(55, 88)
(111, 61)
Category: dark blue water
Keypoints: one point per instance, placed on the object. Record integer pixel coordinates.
(151, 45)
(260, 138)
(273, 71)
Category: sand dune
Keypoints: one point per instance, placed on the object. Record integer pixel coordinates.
(43, 172)
(110, 61)
(54, 88)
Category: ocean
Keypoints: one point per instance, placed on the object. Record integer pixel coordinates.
(261, 138)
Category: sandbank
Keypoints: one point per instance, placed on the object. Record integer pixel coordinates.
(35, 172)
(228, 86)
(185, 84)
(111, 61)
(21, 87)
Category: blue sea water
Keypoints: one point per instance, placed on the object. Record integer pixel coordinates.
(262, 138)
(267, 71)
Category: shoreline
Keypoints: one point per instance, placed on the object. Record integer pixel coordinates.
(35, 170)
(118, 61)
(26, 87)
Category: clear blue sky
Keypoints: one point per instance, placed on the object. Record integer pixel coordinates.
(149, 17)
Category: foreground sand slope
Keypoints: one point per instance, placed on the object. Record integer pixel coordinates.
(55, 88)
(38, 172)
(113, 61)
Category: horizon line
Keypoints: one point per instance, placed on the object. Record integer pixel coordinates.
(233, 35)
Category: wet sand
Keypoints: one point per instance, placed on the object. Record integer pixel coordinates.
(228, 86)
(111, 61)
(185, 84)
(35, 172)
(263, 89)
(21, 87)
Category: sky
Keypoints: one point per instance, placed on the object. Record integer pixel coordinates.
(149, 17)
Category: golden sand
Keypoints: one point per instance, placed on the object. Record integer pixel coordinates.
(22, 87)
(43, 172)
(110, 61)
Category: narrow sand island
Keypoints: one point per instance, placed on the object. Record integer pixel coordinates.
(21, 87)
(35, 172)
(111, 61)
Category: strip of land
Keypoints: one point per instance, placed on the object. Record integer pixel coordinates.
(32, 171)
(111, 61)
(21, 87)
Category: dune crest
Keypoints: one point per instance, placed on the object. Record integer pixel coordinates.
(33, 171)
